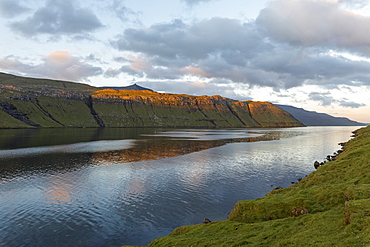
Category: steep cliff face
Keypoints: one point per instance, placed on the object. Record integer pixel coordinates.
(269, 115)
(47, 103)
(128, 108)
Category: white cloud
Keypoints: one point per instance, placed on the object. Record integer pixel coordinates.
(354, 4)
(57, 65)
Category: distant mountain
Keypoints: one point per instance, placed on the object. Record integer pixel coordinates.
(131, 87)
(312, 118)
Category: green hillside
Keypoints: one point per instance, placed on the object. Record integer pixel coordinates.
(35, 84)
(330, 207)
(37, 103)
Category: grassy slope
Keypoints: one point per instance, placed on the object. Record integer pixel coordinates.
(145, 108)
(6, 121)
(55, 104)
(46, 111)
(39, 84)
(70, 113)
(268, 115)
(332, 220)
(148, 108)
(49, 112)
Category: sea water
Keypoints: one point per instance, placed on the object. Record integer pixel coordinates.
(113, 187)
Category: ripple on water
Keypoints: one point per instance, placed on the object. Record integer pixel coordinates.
(62, 199)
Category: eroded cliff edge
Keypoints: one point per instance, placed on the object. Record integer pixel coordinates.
(36, 103)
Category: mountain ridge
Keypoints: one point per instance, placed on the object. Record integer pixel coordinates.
(312, 118)
(38, 103)
(131, 87)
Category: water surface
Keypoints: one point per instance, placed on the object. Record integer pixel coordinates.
(113, 187)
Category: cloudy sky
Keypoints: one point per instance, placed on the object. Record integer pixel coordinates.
(313, 54)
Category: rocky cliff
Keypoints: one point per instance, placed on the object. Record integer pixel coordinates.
(35, 103)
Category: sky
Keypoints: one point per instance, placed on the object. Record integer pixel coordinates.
(312, 54)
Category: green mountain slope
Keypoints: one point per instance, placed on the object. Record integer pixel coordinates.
(36, 103)
(34, 84)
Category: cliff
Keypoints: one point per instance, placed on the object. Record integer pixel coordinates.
(329, 206)
(36, 103)
(128, 108)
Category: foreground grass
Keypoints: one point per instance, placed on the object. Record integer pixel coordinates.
(336, 197)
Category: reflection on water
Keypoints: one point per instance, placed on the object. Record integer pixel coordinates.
(26, 161)
(84, 147)
(111, 187)
(58, 192)
(23, 138)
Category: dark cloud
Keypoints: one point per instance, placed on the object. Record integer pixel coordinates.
(122, 11)
(11, 8)
(228, 49)
(121, 59)
(313, 67)
(216, 48)
(58, 17)
(254, 53)
(180, 40)
(111, 73)
(124, 69)
(310, 23)
(326, 99)
(57, 65)
(350, 104)
(196, 2)
(94, 59)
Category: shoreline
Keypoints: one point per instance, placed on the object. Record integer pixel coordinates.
(330, 205)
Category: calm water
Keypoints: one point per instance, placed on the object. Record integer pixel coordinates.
(113, 187)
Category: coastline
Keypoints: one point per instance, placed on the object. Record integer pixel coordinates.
(331, 205)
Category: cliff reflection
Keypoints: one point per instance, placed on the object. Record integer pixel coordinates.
(119, 146)
(58, 193)
(161, 147)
